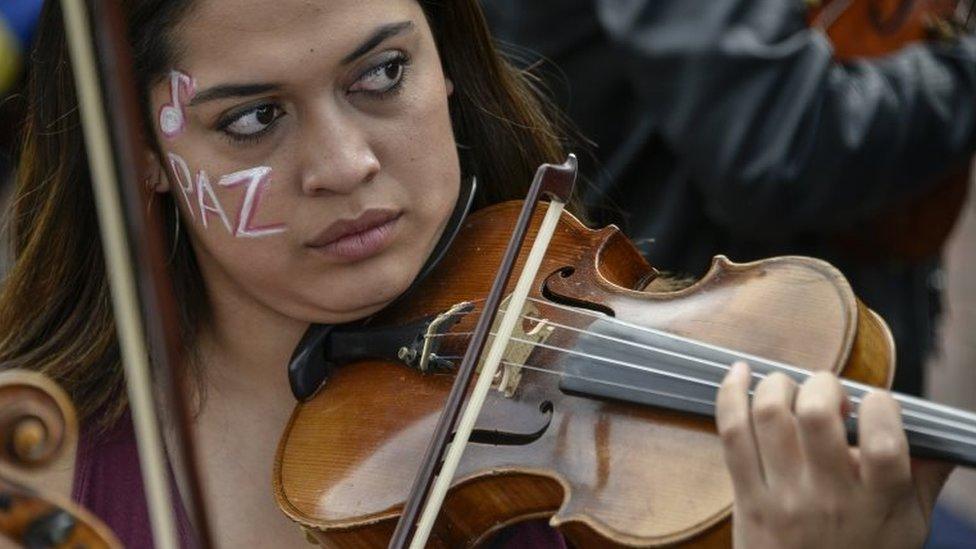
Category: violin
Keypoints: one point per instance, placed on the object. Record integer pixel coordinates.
(37, 422)
(600, 415)
(917, 227)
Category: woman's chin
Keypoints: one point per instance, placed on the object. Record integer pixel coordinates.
(350, 307)
(362, 312)
(355, 292)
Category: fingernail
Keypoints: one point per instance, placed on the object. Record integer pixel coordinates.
(739, 369)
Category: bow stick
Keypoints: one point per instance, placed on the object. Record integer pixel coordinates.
(142, 296)
(557, 183)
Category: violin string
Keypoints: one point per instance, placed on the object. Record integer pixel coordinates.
(964, 420)
(855, 400)
(852, 415)
(723, 368)
(751, 392)
(625, 364)
(581, 312)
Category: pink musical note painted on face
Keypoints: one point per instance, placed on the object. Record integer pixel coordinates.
(172, 117)
(256, 180)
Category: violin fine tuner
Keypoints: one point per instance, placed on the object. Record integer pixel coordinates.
(427, 357)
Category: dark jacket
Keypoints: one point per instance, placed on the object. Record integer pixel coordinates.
(727, 126)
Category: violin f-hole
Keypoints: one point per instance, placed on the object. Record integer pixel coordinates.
(507, 438)
(561, 287)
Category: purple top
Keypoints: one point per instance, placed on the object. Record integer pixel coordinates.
(108, 482)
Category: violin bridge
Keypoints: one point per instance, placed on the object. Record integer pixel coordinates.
(527, 335)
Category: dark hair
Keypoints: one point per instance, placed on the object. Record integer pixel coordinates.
(55, 309)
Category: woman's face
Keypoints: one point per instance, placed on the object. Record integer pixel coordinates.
(309, 147)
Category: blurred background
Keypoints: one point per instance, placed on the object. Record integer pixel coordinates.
(17, 19)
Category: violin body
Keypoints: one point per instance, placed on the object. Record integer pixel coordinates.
(606, 470)
(917, 227)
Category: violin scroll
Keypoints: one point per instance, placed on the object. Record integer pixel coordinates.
(37, 423)
(36, 418)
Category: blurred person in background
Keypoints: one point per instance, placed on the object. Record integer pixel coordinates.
(730, 126)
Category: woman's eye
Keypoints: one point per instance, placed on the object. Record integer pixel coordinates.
(383, 78)
(254, 121)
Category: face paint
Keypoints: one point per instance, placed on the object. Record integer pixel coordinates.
(204, 193)
(182, 174)
(256, 181)
(172, 117)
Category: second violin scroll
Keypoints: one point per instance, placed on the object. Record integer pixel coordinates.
(36, 420)
(37, 425)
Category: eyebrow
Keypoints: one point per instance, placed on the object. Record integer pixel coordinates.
(231, 90)
(378, 37)
(225, 91)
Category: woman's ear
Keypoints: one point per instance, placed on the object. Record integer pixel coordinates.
(156, 179)
(449, 84)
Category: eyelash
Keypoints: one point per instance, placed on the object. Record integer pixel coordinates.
(225, 122)
(400, 58)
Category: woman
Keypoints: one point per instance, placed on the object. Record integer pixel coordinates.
(306, 155)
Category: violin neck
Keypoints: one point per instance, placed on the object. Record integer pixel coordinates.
(662, 370)
(938, 431)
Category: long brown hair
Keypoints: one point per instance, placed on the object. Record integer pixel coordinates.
(55, 309)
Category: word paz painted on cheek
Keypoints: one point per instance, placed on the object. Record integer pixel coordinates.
(199, 195)
(172, 117)
(182, 174)
(206, 194)
(255, 181)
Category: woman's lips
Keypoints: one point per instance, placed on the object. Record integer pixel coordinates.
(358, 238)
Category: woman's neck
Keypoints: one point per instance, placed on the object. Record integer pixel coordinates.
(246, 401)
(246, 346)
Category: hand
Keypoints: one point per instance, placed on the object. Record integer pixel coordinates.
(797, 482)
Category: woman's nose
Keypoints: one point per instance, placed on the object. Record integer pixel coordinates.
(337, 156)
